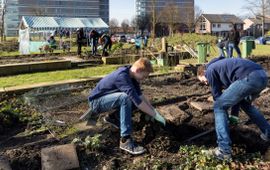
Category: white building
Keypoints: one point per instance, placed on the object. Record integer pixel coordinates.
(217, 23)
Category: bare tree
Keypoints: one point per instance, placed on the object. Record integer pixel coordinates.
(133, 22)
(125, 25)
(170, 16)
(113, 25)
(142, 22)
(259, 8)
(192, 17)
(154, 17)
(3, 12)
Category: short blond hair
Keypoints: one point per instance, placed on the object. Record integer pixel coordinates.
(143, 64)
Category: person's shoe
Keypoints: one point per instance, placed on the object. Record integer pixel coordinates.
(264, 137)
(131, 147)
(217, 153)
(113, 121)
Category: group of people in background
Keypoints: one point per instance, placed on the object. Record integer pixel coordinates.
(229, 42)
(93, 38)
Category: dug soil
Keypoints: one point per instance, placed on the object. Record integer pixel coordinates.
(172, 95)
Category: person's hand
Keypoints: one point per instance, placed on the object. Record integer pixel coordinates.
(233, 120)
(159, 118)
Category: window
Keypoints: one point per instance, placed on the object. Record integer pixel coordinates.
(218, 25)
(214, 25)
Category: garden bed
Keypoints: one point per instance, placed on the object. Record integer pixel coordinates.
(167, 147)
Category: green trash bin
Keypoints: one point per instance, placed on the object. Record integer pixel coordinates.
(247, 47)
(202, 52)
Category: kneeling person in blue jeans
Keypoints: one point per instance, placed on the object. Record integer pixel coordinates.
(242, 80)
(120, 90)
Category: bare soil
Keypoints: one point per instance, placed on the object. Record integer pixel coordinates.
(170, 94)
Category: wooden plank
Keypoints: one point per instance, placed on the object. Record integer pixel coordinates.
(59, 157)
(4, 164)
(173, 113)
(202, 106)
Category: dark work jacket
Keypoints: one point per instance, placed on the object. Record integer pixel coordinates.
(118, 81)
(234, 37)
(222, 72)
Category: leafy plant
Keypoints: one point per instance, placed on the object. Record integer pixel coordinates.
(116, 47)
(13, 111)
(93, 143)
(193, 158)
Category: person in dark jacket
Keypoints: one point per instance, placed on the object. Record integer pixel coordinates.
(94, 36)
(80, 39)
(243, 80)
(107, 44)
(121, 90)
(234, 39)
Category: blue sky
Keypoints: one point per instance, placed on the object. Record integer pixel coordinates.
(125, 9)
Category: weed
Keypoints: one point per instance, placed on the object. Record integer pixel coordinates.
(192, 158)
(14, 112)
(91, 143)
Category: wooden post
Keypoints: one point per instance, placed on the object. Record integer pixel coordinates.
(164, 45)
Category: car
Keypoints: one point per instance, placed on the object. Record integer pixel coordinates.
(267, 38)
(123, 39)
(263, 40)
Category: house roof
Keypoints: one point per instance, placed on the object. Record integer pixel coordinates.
(257, 21)
(62, 22)
(223, 18)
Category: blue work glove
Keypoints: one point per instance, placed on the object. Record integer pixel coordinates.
(159, 118)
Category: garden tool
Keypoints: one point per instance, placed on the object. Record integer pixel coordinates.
(211, 130)
(86, 115)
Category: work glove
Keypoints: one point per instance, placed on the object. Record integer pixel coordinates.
(233, 120)
(159, 118)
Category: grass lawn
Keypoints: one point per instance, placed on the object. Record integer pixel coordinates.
(261, 50)
(54, 76)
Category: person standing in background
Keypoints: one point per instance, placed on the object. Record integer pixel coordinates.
(234, 39)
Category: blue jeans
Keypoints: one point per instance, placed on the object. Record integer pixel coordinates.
(119, 101)
(232, 46)
(221, 52)
(94, 46)
(236, 93)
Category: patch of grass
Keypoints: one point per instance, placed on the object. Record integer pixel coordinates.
(68, 131)
(261, 50)
(54, 76)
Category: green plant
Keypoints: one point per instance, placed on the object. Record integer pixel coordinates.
(13, 112)
(159, 165)
(116, 47)
(192, 158)
(93, 143)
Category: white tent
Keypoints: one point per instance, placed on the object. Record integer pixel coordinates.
(47, 25)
